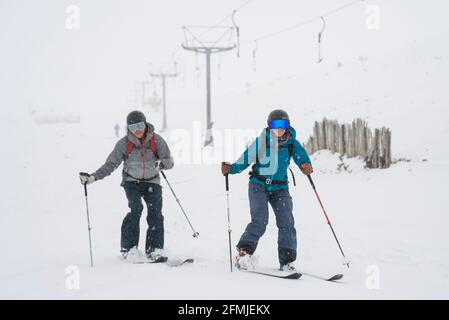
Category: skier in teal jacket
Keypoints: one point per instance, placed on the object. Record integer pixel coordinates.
(270, 156)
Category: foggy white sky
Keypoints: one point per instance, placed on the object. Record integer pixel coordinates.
(47, 66)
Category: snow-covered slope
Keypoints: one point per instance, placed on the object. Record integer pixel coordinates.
(392, 223)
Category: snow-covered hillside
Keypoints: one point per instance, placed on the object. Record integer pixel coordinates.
(392, 223)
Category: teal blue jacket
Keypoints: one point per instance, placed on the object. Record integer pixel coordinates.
(274, 168)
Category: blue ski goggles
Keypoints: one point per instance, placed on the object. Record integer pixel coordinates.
(140, 126)
(279, 124)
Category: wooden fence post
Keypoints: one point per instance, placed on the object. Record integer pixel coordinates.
(352, 140)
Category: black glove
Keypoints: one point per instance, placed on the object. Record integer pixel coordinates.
(159, 165)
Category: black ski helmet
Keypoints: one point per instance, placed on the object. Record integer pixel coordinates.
(278, 114)
(135, 117)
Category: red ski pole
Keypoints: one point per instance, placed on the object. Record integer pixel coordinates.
(328, 220)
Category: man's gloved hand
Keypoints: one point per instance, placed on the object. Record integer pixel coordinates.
(86, 178)
(306, 169)
(159, 165)
(226, 168)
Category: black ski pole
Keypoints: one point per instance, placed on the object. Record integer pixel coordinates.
(195, 234)
(229, 219)
(88, 226)
(328, 220)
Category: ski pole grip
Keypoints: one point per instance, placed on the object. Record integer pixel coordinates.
(84, 184)
(227, 182)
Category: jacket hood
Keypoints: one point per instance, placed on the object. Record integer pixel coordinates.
(292, 132)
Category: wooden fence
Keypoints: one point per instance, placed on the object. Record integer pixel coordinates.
(353, 140)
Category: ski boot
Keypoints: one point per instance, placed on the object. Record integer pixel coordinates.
(156, 255)
(131, 255)
(244, 261)
(124, 253)
(288, 267)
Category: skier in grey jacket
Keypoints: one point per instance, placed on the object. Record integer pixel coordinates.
(143, 153)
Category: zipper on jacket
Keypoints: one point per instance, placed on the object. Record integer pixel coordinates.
(142, 152)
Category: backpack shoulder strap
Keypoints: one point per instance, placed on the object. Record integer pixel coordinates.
(290, 154)
(290, 149)
(153, 145)
(290, 145)
(129, 149)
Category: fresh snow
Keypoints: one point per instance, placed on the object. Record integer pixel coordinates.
(392, 223)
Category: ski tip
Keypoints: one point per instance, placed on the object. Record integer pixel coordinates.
(336, 277)
(189, 260)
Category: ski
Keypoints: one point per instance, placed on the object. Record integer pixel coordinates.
(158, 260)
(275, 273)
(335, 277)
(293, 275)
(169, 262)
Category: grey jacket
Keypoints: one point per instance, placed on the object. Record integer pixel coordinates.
(140, 165)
